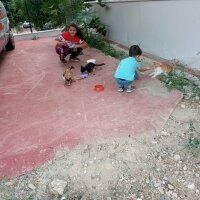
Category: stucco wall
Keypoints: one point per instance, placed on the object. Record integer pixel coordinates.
(167, 28)
(37, 34)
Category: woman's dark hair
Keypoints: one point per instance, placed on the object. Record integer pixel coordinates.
(135, 51)
(79, 32)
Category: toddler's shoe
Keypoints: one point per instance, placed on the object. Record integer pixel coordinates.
(120, 89)
(130, 89)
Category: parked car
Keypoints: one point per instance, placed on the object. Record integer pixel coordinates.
(26, 24)
(6, 35)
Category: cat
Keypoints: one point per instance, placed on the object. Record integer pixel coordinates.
(157, 69)
(67, 76)
(89, 67)
(162, 68)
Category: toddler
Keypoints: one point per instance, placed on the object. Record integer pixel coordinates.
(126, 71)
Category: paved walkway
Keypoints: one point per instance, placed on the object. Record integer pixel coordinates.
(38, 114)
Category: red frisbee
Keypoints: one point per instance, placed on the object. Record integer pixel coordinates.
(98, 88)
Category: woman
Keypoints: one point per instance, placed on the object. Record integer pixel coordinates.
(71, 42)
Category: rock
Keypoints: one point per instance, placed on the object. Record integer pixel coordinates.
(183, 106)
(174, 195)
(108, 198)
(169, 193)
(161, 190)
(93, 175)
(85, 165)
(147, 181)
(165, 178)
(158, 169)
(165, 133)
(98, 179)
(31, 186)
(57, 187)
(177, 157)
(184, 168)
(191, 186)
(9, 183)
(156, 185)
(171, 187)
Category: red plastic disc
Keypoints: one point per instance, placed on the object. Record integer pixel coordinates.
(98, 88)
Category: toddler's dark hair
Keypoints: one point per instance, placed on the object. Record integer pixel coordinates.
(135, 51)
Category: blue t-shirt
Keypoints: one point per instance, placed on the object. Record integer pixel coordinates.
(126, 69)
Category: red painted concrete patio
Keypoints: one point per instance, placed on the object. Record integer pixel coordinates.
(38, 114)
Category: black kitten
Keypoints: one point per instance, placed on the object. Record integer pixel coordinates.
(89, 67)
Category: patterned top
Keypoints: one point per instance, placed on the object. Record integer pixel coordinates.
(70, 40)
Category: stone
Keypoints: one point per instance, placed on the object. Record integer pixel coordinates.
(191, 186)
(31, 186)
(9, 183)
(57, 187)
(85, 165)
(165, 133)
(156, 185)
(177, 157)
(169, 193)
(161, 190)
(184, 168)
(171, 187)
(183, 106)
(174, 195)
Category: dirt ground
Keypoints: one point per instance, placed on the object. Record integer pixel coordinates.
(162, 166)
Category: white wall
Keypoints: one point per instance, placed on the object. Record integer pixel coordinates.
(39, 34)
(167, 28)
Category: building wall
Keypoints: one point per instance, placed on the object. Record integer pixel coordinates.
(166, 28)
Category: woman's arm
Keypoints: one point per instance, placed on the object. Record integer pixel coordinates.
(83, 45)
(61, 44)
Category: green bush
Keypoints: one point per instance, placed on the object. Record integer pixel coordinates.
(100, 43)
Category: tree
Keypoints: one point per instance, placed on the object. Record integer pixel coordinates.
(62, 12)
(37, 16)
(15, 10)
(45, 14)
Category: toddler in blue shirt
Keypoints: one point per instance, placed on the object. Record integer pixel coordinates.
(126, 71)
